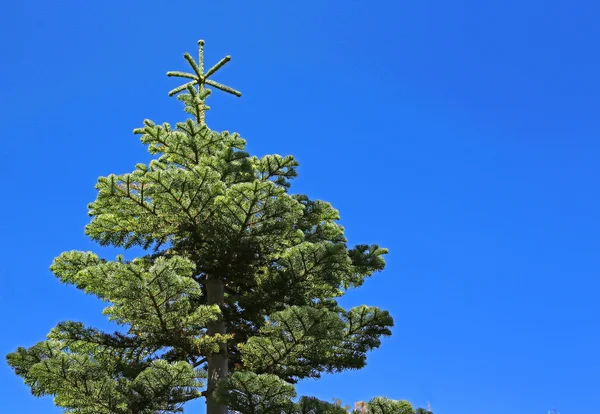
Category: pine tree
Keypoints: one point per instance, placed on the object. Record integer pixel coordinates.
(235, 295)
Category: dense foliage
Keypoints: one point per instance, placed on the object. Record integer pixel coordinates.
(235, 298)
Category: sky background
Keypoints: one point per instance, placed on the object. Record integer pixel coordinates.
(463, 136)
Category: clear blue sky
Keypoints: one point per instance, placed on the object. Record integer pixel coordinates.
(463, 135)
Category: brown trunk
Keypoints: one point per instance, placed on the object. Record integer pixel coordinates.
(217, 363)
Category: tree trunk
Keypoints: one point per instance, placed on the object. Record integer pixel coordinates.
(217, 363)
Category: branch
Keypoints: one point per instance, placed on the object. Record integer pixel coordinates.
(200, 362)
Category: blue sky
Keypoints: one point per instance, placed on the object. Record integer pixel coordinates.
(462, 135)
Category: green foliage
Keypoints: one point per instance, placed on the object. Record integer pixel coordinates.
(311, 405)
(248, 392)
(302, 342)
(381, 405)
(89, 375)
(237, 269)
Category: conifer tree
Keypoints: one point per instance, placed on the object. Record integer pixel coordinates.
(235, 299)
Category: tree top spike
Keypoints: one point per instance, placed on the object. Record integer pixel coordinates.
(200, 78)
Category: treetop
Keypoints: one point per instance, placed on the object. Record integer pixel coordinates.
(201, 79)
